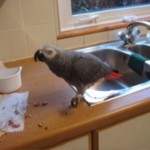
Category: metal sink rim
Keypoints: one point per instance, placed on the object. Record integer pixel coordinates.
(116, 46)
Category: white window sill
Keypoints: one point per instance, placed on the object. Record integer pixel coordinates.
(94, 29)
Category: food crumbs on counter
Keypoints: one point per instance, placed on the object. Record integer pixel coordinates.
(36, 104)
(40, 124)
(28, 116)
(44, 103)
(46, 128)
(40, 104)
(2, 134)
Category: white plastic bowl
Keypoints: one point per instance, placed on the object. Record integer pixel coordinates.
(10, 79)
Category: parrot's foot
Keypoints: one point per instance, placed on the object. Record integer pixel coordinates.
(74, 102)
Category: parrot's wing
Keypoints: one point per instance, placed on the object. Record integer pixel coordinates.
(88, 68)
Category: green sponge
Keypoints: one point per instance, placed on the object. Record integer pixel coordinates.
(136, 63)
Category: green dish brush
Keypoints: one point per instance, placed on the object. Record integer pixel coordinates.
(136, 63)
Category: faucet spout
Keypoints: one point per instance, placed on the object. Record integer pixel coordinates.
(130, 35)
(137, 23)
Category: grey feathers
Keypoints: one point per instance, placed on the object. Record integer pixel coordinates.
(78, 69)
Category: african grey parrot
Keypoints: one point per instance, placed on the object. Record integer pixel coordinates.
(78, 69)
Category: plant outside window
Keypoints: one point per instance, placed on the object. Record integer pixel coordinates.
(87, 6)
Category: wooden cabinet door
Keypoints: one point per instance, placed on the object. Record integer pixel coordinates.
(133, 134)
(81, 143)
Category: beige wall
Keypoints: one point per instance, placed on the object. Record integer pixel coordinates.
(26, 25)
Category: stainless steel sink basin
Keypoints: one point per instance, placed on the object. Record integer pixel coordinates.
(143, 49)
(129, 82)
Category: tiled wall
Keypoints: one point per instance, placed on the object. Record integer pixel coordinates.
(26, 25)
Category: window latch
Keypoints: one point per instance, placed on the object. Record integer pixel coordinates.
(89, 19)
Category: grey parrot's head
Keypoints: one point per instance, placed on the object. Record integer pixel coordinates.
(47, 52)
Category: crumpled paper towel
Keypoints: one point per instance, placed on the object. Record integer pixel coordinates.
(12, 110)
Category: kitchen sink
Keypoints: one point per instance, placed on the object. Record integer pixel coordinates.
(118, 58)
(143, 49)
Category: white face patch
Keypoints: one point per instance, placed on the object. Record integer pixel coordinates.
(49, 53)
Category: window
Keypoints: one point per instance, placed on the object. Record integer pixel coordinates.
(87, 6)
(74, 14)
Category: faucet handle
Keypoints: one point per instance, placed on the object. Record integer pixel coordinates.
(129, 38)
(122, 35)
(135, 34)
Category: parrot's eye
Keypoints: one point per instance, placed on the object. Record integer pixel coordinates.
(50, 52)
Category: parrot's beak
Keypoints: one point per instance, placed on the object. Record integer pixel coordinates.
(38, 55)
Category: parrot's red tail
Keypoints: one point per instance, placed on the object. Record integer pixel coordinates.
(113, 74)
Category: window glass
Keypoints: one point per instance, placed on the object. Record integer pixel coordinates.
(86, 6)
(74, 14)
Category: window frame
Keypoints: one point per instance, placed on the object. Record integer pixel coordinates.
(71, 22)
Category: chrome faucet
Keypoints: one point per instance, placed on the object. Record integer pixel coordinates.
(130, 35)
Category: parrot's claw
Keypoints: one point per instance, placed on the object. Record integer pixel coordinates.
(74, 102)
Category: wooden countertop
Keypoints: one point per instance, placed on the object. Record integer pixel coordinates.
(57, 124)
